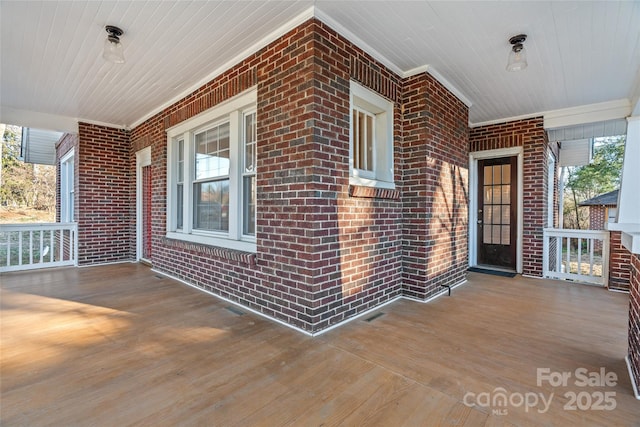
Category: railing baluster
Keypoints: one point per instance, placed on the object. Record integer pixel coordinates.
(568, 269)
(20, 248)
(591, 245)
(30, 246)
(61, 245)
(559, 255)
(9, 234)
(51, 246)
(580, 255)
(41, 246)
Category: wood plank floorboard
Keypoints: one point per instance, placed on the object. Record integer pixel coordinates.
(120, 345)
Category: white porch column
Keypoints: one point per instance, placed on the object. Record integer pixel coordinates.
(628, 198)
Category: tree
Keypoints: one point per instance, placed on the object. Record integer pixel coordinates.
(24, 184)
(600, 176)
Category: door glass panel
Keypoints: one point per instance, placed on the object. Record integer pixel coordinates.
(496, 175)
(486, 235)
(506, 174)
(505, 235)
(497, 204)
(488, 193)
(487, 175)
(506, 214)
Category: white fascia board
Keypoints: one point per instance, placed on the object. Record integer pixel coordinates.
(603, 111)
(33, 119)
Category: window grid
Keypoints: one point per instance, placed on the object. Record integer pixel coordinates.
(497, 205)
(249, 174)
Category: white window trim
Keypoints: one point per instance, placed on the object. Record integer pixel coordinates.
(143, 158)
(382, 175)
(233, 111)
(68, 158)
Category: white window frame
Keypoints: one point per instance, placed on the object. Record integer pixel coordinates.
(232, 111)
(67, 187)
(366, 100)
(550, 188)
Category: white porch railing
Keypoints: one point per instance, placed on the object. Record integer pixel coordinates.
(579, 255)
(29, 246)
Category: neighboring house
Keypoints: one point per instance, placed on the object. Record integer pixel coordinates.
(602, 209)
(311, 183)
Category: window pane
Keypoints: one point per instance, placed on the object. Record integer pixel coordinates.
(496, 175)
(495, 214)
(495, 235)
(506, 174)
(211, 205)
(506, 194)
(369, 144)
(180, 168)
(506, 214)
(496, 194)
(356, 140)
(250, 137)
(488, 195)
(179, 205)
(506, 235)
(487, 175)
(361, 139)
(249, 206)
(212, 152)
(486, 234)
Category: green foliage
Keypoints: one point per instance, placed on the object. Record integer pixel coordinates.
(601, 176)
(23, 184)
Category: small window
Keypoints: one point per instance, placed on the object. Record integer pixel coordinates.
(371, 139)
(212, 176)
(67, 188)
(612, 214)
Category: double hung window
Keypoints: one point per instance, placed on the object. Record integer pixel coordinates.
(212, 176)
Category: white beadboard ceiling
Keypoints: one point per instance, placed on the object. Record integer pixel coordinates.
(580, 53)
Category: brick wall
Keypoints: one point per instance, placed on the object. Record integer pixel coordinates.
(529, 134)
(434, 187)
(597, 217)
(104, 208)
(619, 263)
(325, 250)
(634, 318)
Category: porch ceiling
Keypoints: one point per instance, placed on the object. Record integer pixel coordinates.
(580, 53)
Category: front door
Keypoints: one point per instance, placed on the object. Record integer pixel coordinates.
(497, 212)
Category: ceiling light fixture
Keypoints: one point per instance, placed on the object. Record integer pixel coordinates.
(517, 56)
(113, 51)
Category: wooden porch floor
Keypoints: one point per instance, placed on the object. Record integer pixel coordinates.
(118, 345)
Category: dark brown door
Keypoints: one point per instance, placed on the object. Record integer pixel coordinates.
(497, 212)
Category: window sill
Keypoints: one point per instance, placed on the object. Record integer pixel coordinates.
(373, 192)
(234, 250)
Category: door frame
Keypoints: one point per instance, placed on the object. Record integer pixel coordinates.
(473, 200)
(143, 158)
